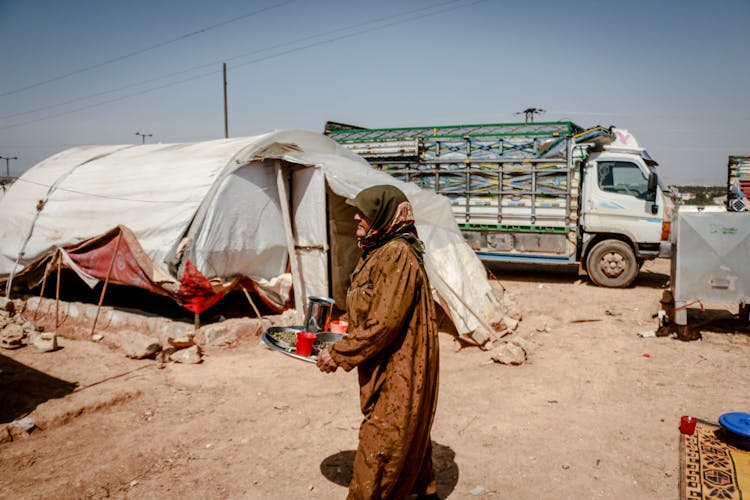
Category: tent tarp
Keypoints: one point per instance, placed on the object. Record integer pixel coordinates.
(216, 204)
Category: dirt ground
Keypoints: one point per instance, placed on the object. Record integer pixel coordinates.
(594, 413)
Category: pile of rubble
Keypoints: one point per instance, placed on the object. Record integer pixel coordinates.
(17, 331)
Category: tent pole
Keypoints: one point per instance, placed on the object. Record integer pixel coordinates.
(257, 312)
(106, 282)
(284, 202)
(57, 290)
(41, 294)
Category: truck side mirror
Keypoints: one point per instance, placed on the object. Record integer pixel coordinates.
(653, 181)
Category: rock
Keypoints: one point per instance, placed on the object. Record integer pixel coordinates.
(510, 323)
(280, 405)
(509, 354)
(289, 317)
(20, 319)
(477, 490)
(7, 304)
(164, 355)
(21, 428)
(29, 327)
(139, 346)
(231, 331)
(5, 436)
(43, 341)
(191, 355)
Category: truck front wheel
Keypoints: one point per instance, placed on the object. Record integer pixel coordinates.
(612, 264)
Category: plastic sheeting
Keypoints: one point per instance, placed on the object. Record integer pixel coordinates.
(216, 204)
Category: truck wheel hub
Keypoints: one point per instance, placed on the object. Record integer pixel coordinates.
(612, 264)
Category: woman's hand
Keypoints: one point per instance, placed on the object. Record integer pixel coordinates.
(325, 362)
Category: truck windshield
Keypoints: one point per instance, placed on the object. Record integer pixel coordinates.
(622, 177)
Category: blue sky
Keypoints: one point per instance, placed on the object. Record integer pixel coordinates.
(675, 73)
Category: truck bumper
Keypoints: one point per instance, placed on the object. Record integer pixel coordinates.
(665, 250)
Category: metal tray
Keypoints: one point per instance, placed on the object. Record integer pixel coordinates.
(327, 337)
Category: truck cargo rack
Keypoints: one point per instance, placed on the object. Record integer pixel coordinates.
(497, 177)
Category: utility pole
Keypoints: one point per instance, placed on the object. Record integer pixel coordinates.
(143, 137)
(529, 114)
(226, 115)
(7, 163)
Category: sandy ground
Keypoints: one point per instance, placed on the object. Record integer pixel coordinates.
(594, 412)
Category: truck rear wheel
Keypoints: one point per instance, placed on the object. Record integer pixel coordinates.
(612, 264)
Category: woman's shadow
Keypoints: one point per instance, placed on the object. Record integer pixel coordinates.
(339, 468)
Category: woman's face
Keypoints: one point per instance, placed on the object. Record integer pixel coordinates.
(363, 225)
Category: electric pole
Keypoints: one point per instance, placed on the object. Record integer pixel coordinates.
(226, 115)
(7, 163)
(529, 114)
(143, 137)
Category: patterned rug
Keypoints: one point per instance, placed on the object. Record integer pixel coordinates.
(711, 468)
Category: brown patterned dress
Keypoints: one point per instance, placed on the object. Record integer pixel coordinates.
(393, 341)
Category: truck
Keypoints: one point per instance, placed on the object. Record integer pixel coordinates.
(738, 184)
(544, 192)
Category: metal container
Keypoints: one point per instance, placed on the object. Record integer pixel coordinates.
(710, 261)
(318, 314)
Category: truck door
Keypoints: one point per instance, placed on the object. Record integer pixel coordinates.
(616, 200)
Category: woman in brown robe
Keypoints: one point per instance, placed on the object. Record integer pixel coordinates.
(393, 342)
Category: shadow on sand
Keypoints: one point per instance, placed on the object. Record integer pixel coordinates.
(567, 273)
(339, 468)
(23, 388)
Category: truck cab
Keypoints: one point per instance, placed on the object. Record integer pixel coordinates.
(625, 212)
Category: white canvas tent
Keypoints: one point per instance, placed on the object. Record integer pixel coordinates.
(217, 205)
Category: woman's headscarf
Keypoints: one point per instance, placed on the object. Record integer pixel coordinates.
(391, 216)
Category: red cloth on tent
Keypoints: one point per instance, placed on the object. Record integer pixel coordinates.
(196, 292)
(126, 270)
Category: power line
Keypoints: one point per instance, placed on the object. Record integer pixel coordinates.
(243, 55)
(97, 104)
(254, 61)
(145, 49)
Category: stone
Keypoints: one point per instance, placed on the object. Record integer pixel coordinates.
(139, 346)
(509, 354)
(5, 436)
(43, 341)
(230, 331)
(477, 490)
(511, 323)
(191, 355)
(21, 428)
(29, 327)
(7, 304)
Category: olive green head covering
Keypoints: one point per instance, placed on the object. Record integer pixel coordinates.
(390, 215)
